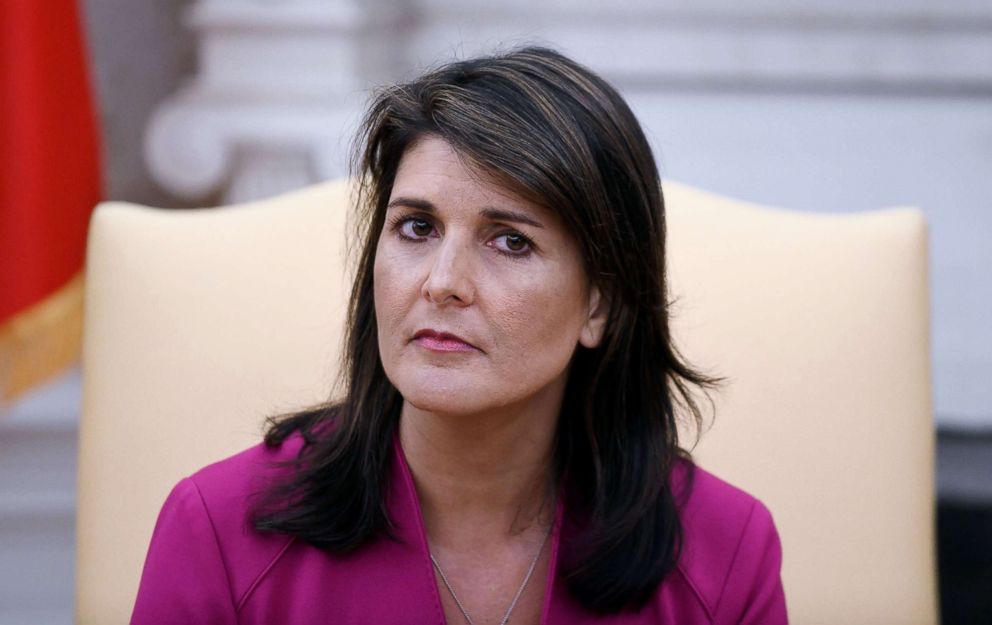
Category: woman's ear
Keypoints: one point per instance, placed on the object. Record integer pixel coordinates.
(598, 311)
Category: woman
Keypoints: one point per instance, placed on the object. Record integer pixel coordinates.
(507, 446)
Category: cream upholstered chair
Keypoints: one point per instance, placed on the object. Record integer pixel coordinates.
(201, 323)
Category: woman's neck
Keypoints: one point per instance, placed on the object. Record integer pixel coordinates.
(482, 478)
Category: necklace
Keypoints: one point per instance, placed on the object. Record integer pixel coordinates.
(516, 597)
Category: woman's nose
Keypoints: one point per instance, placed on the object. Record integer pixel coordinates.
(449, 280)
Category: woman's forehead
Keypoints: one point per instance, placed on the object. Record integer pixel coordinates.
(431, 171)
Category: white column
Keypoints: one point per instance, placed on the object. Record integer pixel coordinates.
(276, 97)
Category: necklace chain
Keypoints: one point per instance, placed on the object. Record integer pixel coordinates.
(516, 598)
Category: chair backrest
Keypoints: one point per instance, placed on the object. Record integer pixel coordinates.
(200, 323)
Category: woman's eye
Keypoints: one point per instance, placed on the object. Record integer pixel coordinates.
(513, 243)
(416, 228)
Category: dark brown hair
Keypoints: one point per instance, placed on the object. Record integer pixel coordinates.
(553, 132)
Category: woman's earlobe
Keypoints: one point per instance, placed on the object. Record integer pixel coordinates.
(595, 325)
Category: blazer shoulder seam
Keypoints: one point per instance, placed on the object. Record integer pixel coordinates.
(213, 531)
(733, 559)
(695, 591)
(261, 576)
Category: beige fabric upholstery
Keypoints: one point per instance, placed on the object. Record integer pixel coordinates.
(200, 323)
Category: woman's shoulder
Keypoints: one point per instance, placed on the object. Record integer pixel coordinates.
(731, 555)
(210, 512)
(709, 502)
(229, 488)
(247, 471)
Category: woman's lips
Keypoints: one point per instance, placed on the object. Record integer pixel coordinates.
(441, 342)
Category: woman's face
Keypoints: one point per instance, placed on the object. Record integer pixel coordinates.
(481, 297)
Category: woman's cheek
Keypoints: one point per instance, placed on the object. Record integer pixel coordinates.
(526, 311)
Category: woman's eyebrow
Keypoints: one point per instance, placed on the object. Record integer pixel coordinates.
(500, 214)
(411, 202)
(493, 214)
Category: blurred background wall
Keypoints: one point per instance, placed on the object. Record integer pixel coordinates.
(139, 54)
(827, 105)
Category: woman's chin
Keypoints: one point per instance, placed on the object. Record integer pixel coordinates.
(451, 403)
(445, 394)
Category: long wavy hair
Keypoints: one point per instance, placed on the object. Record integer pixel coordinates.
(555, 133)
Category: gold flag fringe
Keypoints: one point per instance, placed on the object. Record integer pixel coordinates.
(42, 341)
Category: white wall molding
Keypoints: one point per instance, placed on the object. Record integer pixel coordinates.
(197, 139)
(642, 45)
(279, 83)
(290, 76)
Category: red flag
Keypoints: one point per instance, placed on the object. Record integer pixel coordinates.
(49, 184)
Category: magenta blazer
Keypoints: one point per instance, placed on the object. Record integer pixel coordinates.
(207, 565)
